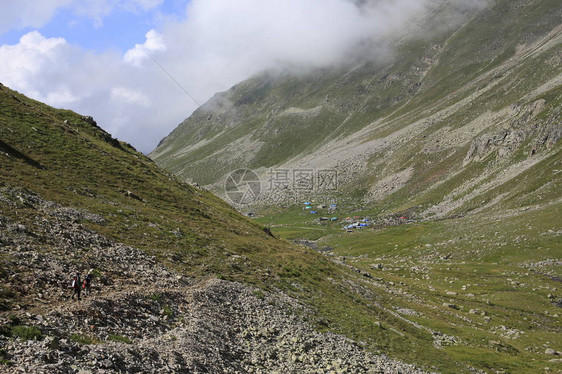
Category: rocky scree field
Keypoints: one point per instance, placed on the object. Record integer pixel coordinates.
(142, 317)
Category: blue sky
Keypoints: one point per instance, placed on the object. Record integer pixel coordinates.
(106, 58)
(120, 29)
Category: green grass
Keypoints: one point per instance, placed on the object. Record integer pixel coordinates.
(84, 339)
(156, 297)
(119, 339)
(167, 311)
(488, 254)
(4, 358)
(23, 332)
(489, 271)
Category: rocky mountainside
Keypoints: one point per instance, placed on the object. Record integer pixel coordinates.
(144, 317)
(181, 281)
(458, 119)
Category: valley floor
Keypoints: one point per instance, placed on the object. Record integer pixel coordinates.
(483, 290)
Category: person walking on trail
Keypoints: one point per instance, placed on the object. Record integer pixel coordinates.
(87, 283)
(76, 286)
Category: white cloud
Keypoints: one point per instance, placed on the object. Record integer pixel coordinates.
(217, 44)
(129, 96)
(28, 13)
(154, 42)
(61, 98)
(22, 64)
(93, 9)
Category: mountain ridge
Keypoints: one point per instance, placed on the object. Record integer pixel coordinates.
(270, 134)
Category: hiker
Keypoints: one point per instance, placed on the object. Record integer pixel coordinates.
(87, 283)
(76, 286)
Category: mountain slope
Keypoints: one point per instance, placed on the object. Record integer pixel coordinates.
(73, 199)
(452, 107)
(66, 158)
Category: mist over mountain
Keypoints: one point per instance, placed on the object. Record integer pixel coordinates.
(432, 106)
(140, 92)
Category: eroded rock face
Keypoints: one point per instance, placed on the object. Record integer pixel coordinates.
(142, 317)
(523, 127)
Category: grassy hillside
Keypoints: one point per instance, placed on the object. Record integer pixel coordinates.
(69, 190)
(63, 157)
